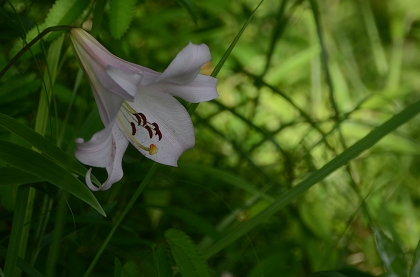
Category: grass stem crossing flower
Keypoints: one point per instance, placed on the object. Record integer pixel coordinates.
(137, 105)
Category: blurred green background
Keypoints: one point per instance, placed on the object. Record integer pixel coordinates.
(305, 81)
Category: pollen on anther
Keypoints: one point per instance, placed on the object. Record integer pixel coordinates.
(153, 149)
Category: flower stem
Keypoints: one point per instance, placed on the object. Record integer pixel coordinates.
(127, 208)
(31, 43)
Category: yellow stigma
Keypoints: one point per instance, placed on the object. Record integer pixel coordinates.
(153, 149)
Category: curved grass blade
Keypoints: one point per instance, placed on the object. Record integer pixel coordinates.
(22, 264)
(415, 269)
(42, 167)
(222, 61)
(342, 159)
(13, 176)
(17, 230)
(391, 254)
(43, 145)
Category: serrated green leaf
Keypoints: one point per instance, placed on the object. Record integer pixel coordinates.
(42, 144)
(117, 267)
(415, 269)
(391, 255)
(63, 12)
(130, 269)
(120, 16)
(42, 167)
(161, 262)
(187, 257)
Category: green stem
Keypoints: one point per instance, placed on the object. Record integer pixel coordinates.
(30, 44)
(122, 216)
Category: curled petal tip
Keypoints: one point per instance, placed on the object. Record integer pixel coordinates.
(79, 140)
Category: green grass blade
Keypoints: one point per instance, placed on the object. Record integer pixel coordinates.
(229, 178)
(345, 157)
(127, 208)
(42, 167)
(415, 269)
(17, 229)
(13, 176)
(391, 254)
(47, 92)
(22, 264)
(42, 144)
(222, 61)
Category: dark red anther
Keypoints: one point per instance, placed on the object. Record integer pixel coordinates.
(157, 131)
(138, 118)
(147, 127)
(133, 128)
(141, 119)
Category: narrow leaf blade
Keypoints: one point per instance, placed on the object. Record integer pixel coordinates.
(42, 144)
(342, 159)
(415, 269)
(391, 255)
(42, 167)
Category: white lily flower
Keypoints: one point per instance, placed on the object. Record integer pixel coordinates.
(137, 105)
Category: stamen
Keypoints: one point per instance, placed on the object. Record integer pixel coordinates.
(157, 131)
(147, 127)
(141, 119)
(133, 117)
(133, 129)
(138, 119)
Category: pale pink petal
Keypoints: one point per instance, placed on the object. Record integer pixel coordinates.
(172, 120)
(115, 171)
(127, 81)
(99, 151)
(94, 58)
(186, 65)
(202, 88)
